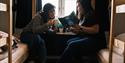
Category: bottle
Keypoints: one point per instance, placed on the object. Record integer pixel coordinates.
(58, 24)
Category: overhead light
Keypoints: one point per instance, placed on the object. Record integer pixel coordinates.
(120, 8)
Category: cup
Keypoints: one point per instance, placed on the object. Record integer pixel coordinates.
(61, 30)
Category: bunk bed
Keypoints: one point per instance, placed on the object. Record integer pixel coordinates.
(116, 51)
(10, 51)
(19, 50)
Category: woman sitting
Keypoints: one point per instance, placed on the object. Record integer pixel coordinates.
(89, 39)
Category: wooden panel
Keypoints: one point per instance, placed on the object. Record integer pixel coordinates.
(3, 19)
(93, 4)
(119, 24)
(33, 7)
(119, 2)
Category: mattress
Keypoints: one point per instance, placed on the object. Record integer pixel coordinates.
(3, 38)
(19, 54)
(104, 55)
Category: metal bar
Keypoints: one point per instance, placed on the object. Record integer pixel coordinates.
(111, 39)
(9, 17)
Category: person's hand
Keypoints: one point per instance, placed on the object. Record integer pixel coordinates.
(78, 27)
(51, 22)
(78, 16)
(75, 28)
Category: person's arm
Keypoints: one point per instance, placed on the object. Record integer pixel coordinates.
(39, 26)
(86, 30)
(90, 30)
(36, 25)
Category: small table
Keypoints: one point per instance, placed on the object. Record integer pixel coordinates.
(56, 42)
(65, 33)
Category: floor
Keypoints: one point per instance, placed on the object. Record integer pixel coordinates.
(54, 59)
(50, 59)
(53, 56)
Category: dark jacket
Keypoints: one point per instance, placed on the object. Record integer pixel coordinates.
(36, 25)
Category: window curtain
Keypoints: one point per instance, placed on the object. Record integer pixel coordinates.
(23, 13)
(23, 9)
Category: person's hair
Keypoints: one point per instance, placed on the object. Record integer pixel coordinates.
(45, 13)
(86, 5)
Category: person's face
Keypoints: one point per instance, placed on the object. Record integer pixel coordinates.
(80, 8)
(52, 13)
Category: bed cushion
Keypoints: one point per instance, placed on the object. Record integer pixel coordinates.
(104, 55)
(3, 38)
(19, 54)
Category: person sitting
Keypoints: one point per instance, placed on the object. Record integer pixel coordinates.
(89, 37)
(33, 33)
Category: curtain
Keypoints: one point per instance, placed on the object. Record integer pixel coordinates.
(23, 10)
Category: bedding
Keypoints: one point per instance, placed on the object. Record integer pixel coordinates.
(104, 55)
(3, 38)
(19, 54)
(19, 50)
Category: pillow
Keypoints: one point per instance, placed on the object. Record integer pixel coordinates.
(3, 34)
(119, 44)
(121, 37)
(3, 39)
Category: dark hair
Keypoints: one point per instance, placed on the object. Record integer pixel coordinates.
(46, 9)
(86, 4)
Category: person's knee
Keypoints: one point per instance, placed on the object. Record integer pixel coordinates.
(26, 37)
(72, 40)
(29, 37)
(39, 39)
(73, 45)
